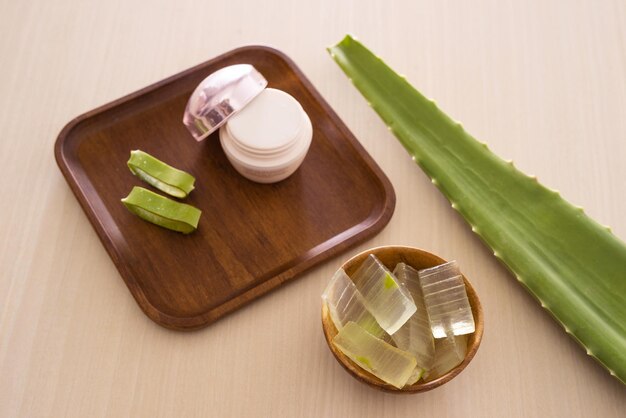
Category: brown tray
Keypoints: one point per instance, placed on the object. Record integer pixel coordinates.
(251, 237)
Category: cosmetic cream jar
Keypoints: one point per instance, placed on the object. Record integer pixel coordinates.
(264, 132)
(268, 139)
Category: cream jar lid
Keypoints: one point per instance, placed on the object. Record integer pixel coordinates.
(221, 95)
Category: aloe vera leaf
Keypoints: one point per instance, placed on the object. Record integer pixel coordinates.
(575, 267)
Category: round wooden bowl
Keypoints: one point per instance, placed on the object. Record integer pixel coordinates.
(418, 259)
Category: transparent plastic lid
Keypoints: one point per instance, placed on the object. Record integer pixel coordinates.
(220, 95)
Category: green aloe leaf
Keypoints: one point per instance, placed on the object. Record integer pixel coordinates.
(575, 267)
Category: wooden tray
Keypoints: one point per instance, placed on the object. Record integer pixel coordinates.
(251, 237)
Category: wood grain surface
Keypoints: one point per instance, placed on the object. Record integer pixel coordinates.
(543, 82)
(252, 237)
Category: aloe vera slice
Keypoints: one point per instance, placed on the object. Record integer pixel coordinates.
(446, 300)
(449, 353)
(390, 303)
(383, 360)
(162, 211)
(575, 267)
(416, 375)
(415, 336)
(345, 304)
(158, 174)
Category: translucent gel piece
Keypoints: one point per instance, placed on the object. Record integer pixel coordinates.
(345, 304)
(449, 353)
(415, 336)
(389, 302)
(446, 300)
(416, 375)
(383, 360)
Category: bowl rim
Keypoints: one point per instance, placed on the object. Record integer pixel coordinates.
(364, 376)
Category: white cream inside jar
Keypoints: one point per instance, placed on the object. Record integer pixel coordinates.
(267, 140)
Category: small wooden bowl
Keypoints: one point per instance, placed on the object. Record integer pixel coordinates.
(418, 259)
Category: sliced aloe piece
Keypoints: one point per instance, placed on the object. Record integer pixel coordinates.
(416, 375)
(415, 336)
(390, 303)
(446, 300)
(164, 177)
(383, 360)
(162, 211)
(575, 267)
(449, 353)
(345, 304)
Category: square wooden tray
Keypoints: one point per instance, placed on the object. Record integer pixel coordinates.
(251, 237)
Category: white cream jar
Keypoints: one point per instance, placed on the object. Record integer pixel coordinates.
(268, 139)
(264, 132)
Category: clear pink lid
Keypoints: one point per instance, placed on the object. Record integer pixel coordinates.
(219, 96)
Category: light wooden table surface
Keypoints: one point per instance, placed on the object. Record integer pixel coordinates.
(543, 82)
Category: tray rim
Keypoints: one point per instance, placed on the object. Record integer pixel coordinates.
(183, 323)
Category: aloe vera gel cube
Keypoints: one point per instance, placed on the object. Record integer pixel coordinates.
(415, 336)
(449, 353)
(345, 304)
(389, 302)
(383, 360)
(446, 300)
(416, 375)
